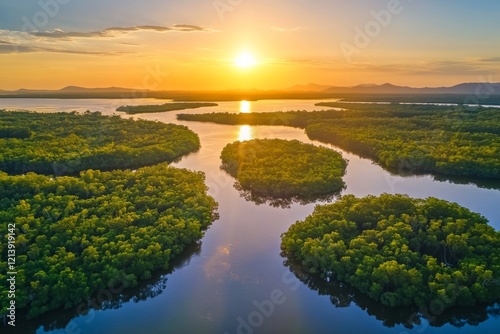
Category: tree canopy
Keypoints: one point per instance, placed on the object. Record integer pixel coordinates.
(401, 251)
(77, 235)
(278, 168)
(153, 108)
(443, 140)
(67, 143)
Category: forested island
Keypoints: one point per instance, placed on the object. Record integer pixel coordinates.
(275, 168)
(400, 251)
(153, 108)
(93, 230)
(460, 99)
(77, 235)
(67, 143)
(442, 140)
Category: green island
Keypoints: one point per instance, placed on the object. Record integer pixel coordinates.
(152, 108)
(275, 168)
(78, 235)
(93, 230)
(442, 140)
(459, 99)
(400, 251)
(67, 143)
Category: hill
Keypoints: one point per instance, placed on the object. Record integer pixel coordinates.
(470, 88)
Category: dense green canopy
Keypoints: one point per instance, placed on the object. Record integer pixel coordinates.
(153, 108)
(401, 251)
(282, 168)
(77, 235)
(444, 140)
(67, 143)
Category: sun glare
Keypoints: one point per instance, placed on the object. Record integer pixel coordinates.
(245, 133)
(245, 60)
(245, 107)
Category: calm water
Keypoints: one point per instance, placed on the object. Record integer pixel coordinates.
(236, 281)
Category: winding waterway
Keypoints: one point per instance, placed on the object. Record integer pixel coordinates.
(236, 280)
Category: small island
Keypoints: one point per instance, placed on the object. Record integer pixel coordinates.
(67, 143)
(153, 108)
(275, 168)
(400, 251)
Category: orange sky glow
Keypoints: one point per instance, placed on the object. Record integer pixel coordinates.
(163, 45)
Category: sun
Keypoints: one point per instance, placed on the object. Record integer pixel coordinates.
(245, 60)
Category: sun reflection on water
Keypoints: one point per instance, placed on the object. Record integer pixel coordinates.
(245, 133)
(245, 107)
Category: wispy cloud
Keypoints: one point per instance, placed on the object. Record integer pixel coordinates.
(491, 60)
(445, 67)
(116, 31)
(130, 44)
(188, 27)
(13, 48)
(85, 43)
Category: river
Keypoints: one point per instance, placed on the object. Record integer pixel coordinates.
(236, 280)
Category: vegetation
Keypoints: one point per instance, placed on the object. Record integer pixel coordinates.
(67, 143)
(77, 235)
(298, 119)
(151, 108)
(452, 141)
(284, 169)
(343, 295)
(15, 132)
(254, 95)
(401, 251)
(229, 95)
(460, 99)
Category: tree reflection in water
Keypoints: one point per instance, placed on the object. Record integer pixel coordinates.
(343, 295)
(104, 300)
(284, 202)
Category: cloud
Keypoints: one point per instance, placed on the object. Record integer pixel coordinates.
(16, 48)
(188, 27)
(116, 31)
(445, 67)
(491, 60)
(12, 48)
(130, 44)
(18, 42)
(85, 43)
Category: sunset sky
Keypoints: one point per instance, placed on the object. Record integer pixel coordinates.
(194, 44)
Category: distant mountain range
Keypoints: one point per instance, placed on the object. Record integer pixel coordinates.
(71, 90)
(311, 87)
(487, 93)
(478, 88)
(471, 88)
